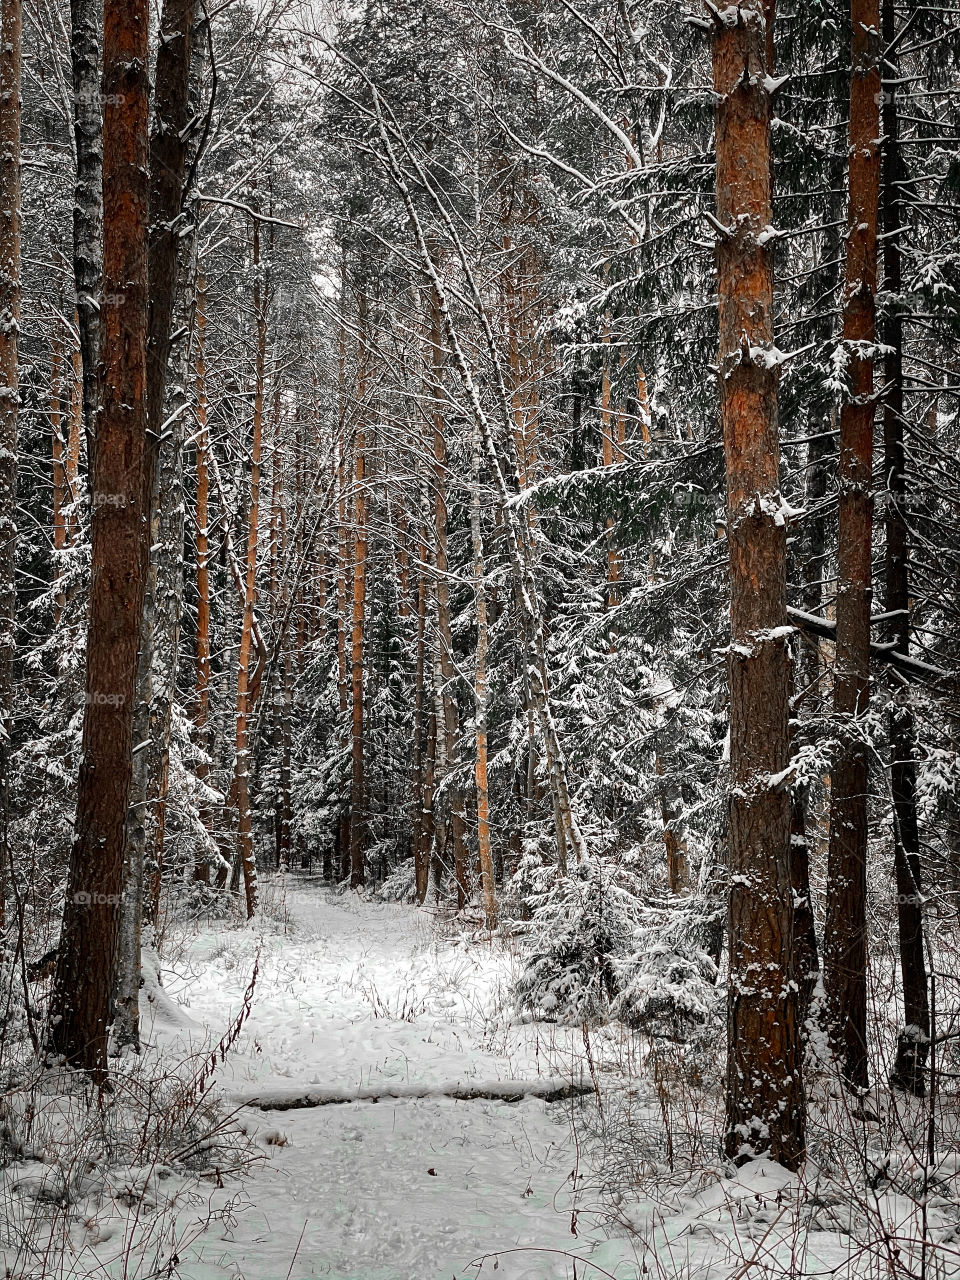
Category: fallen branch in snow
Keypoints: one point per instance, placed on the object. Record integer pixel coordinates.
(495, 1090)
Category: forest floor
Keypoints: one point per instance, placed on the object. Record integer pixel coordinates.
(353, 995)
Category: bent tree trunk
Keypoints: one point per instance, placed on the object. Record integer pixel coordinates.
(845, 935)
(87, 954)
(764, 1104)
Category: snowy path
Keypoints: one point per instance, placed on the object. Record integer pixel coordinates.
(414, 1189)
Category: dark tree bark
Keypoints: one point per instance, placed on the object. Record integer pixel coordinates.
(764, 1106)
(358, 801)
(11, 18)
(87, 955)
(806, 961)
(845, 938)
(343, 684)
(246, 857)
(86, 21)
(169, 143)
(448, 698)
(201, 704)
(913, 1041)
(422, 748)
(167, 540)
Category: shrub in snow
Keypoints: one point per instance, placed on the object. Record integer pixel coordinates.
(666, 988)
(582, 925)
(594, 950)
(400, 885)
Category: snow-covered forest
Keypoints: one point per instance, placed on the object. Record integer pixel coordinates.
(479, 639)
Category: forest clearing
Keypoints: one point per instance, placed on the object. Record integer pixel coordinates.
(479, 636)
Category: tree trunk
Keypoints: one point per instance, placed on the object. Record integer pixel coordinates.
(87, 954)
(86, 19)
(845, 936)
(280, 596)
(241, 777)
(11, 17)
(487, 884)
(451, 730)
(807, 674)
(358, 821)
(422, 750)
(806, 960)
(764, 1105)
(343, 684)
(168, 149)
(74, 433)
(201, 712)
(60, 491)
(913, 1041)
(607, 429)
(678, 868)
(168, 544)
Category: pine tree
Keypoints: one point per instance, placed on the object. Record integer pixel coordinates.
(765, 1107)
(87, 955)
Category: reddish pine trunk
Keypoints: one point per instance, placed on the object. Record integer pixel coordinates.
(87, 954)
(485, 857)
(764, 1106)
(845, 936)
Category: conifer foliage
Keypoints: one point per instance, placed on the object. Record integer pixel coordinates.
(502, 458)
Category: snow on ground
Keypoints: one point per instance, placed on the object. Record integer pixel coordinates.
(360, 993)
(354, 995)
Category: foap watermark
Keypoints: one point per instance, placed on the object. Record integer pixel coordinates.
(98, 698)
(105, 99)
(84, 898)
(693, 500)
(109, 499)
(100, 300)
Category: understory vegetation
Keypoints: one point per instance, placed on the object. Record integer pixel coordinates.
(493, 467)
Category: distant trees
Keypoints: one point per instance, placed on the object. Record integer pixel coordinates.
(470, 575)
